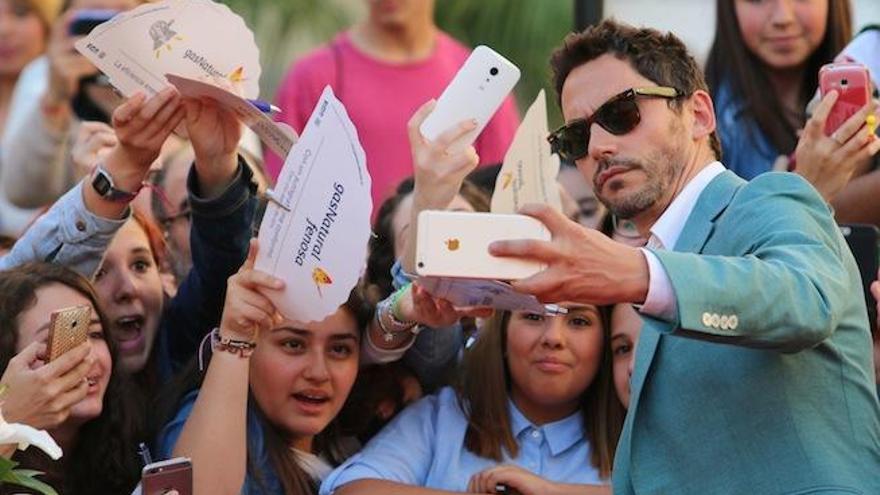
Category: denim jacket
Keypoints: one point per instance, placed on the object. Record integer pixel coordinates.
(747, 151)
(71, 235)
(68, 234)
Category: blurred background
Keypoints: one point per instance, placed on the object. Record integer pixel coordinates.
(525, 31)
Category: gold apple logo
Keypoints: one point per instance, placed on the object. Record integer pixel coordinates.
(506, 179)
(452, 244)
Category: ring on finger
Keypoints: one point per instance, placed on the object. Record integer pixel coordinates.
(834, 137)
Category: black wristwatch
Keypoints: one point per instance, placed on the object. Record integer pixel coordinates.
(102, 183)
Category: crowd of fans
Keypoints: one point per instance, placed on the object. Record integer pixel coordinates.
(399, 391)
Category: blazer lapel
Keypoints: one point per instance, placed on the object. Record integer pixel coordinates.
(711, 203)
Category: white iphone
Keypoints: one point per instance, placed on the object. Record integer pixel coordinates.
(476, 92)
(456, 244)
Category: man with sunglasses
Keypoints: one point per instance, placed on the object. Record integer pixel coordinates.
(752, 373)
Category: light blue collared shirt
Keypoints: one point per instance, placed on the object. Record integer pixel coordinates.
(424, 446)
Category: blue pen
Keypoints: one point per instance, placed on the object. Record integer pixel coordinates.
(144, 452)
(265, 106)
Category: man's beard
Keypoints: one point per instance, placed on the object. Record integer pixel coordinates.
(628, 206)
(660, 170)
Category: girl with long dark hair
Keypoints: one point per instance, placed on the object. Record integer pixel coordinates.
(262, 417)
(98, 433)
(533, 409)
(762, 70)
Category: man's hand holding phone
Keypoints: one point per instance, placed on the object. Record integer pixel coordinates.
(41, 395)
(583, 265)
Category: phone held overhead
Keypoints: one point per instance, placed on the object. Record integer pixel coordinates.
(84, 21)
(476, 92)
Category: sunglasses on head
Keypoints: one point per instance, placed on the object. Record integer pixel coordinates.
(619, 115)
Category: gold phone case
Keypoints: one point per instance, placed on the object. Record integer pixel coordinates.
(68, 328)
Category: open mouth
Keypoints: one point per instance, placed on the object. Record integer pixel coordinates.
(311, 398)
(93, 382)
(129, 333)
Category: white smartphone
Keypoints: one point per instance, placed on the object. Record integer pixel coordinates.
(476, 92)
(174, 474)
(456, 244)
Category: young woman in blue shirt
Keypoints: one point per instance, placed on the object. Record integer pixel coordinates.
(534, 409)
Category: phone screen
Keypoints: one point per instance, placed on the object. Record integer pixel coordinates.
(87, 20)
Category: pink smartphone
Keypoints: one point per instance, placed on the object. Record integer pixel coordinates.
(853, 85)
(160, 477)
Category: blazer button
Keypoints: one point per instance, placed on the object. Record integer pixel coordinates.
(716, 320)
(725, 322)
(707, 320)
(734, 321)
(80, 226)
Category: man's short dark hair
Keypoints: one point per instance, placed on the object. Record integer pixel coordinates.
(662, 58)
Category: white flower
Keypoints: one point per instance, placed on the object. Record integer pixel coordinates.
(25, 436)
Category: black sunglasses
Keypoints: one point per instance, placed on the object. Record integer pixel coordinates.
(619, 115)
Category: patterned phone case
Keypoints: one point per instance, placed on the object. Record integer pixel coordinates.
(68, 328)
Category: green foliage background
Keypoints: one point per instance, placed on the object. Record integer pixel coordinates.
(525, 31)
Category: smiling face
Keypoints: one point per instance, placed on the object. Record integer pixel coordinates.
(22, 36)
(130, 291)
(782, 33)
(634, 172)
(33, 326)
(553, 360)
(301, 374)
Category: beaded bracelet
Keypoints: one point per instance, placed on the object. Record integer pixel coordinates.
(395, 306)
(385, 310)
(243, 348)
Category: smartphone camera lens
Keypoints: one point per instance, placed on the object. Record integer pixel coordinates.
(844, 82)
(493, 71)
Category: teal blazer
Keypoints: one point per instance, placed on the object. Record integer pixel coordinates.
(764, 383)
